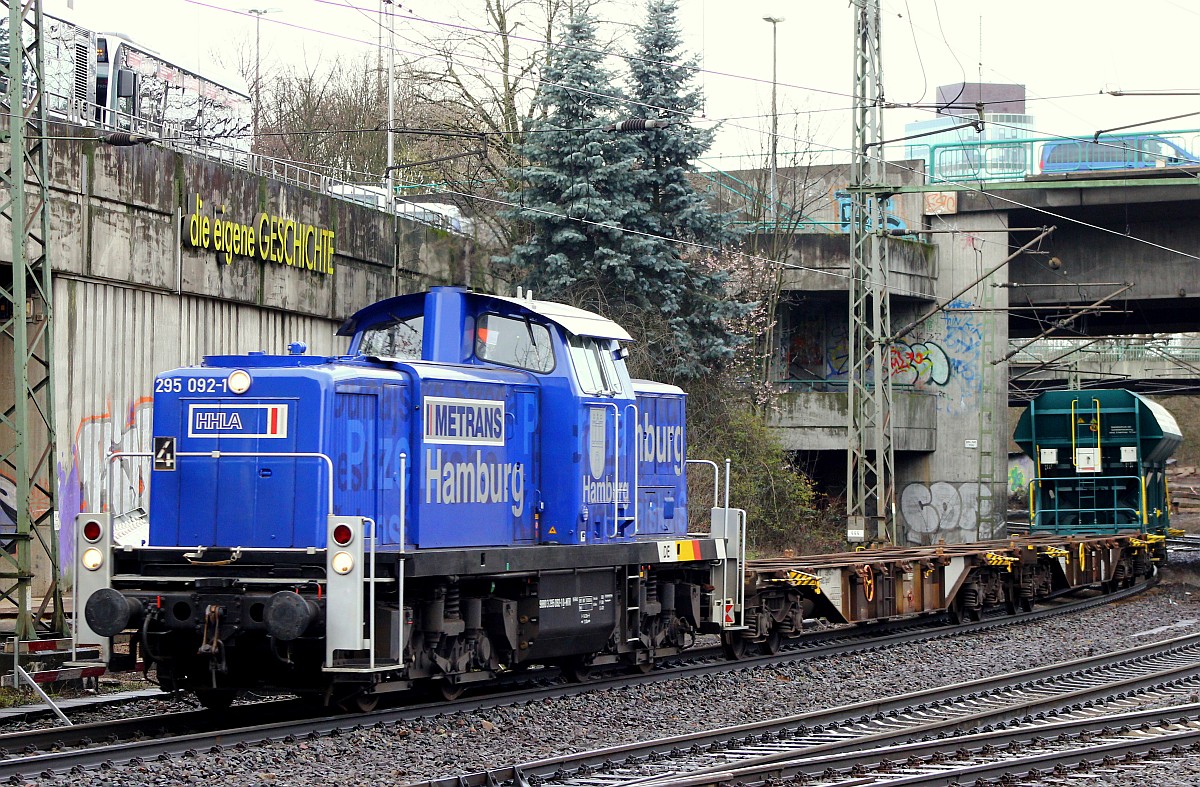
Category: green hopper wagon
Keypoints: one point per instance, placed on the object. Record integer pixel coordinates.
(1100, 459)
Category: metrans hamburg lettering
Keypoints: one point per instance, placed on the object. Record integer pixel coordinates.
(661, 444)
(475, 480)
(464, 421)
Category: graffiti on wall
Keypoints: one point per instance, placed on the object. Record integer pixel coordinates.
(947, 511)
(1020, 473)
(919, 364)
(83, 482)
(846, 213)
(806, 350)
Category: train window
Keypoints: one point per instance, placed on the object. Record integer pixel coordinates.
(608, 366)
(587, 364)
(512, 342)
(594, 366)
(400, 339)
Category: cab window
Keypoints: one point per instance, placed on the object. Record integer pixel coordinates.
(513, 342)
(594, 365)
(400, 339)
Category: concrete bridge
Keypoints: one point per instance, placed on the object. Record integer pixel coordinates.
(1153, 364)
(1138, 228)
(154, 268)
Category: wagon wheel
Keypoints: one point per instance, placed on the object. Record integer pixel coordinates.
(365, 702)
(773, 643)
(578, 671)
(450, 691)
(362, 702)
(734, 645)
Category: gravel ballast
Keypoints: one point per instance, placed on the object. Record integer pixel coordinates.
(467, 742)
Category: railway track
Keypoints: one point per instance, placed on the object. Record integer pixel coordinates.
(928, 730)
(1187, 543)
(60, 749)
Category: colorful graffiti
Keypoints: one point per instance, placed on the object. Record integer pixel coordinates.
(964, 332)
(946, 511)
(83, 484)
(846, 214)
(919, 364)
(837, 351)
(1020, 473)
(806, 349)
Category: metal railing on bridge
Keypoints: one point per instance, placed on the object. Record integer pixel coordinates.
(1022, 157)
(227, 151)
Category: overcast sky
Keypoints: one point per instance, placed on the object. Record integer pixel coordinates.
(1066, 52)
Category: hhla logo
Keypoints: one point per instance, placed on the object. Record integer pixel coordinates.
(238, 420)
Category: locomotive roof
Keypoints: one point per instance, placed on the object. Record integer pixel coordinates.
(577, 321)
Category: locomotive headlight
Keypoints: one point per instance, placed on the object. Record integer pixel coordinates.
(92, 558)
(342, 563)
(239, 381)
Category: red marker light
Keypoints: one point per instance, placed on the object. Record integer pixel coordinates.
(91, 531)
(342, 535)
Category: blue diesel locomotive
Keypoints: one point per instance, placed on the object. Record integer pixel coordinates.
(477, 486)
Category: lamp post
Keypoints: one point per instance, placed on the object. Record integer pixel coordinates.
(774, 20)
(258, 15)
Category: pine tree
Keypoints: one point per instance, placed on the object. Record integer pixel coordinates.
(581, 185)
(610, 215)
(661, 85)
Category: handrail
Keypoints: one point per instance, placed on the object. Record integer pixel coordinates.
(970, 160)
(371, 595)
(1074, 463)
(119, 455)
(1138, 514)
(637, 466)
(716, 474)
(616, 461)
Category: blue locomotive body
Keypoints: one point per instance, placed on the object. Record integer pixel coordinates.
(462, 441)
(505, 493)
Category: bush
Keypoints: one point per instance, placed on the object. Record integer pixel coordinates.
(782, 509)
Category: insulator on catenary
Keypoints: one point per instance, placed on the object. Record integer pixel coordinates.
(126, 138)
(639, 124)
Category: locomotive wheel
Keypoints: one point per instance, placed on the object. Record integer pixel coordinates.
(365, 702)
(644, 667)
(216, 699)
(773, 643)
(734, 645)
